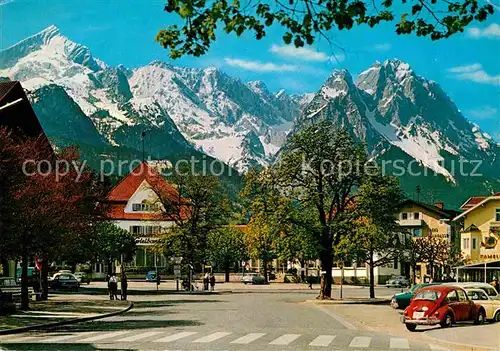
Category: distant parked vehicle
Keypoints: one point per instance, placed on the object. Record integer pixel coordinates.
(151, 277)
(82, 277)
(397, 281)
(64, 281)
(402, 300)
(443, 305)
(253, 278)
(491, 306)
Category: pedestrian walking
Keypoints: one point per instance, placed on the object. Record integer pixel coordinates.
(113, 287)
(212, 283)
(124, 286)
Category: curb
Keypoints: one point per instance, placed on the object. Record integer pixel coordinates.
(65, 322)
(350, 302)
(471, 347)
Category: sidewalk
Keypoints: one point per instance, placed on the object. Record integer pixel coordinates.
(471, 336)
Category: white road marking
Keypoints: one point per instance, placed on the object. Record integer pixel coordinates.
(212, 337)
(247, 339)
(284, 339)
(175, 337)
(103, 336)
(360, 341)
(322, 340)
(438, 347)
(399, 343)
(59, 338)
(138, 337)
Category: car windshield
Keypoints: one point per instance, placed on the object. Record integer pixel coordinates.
(490, 291)
(428, 295)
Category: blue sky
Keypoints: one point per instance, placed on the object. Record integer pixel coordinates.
(123, 31)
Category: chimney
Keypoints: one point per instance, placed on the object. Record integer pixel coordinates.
(440, 205)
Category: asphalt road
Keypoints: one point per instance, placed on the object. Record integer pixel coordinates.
(264, 321)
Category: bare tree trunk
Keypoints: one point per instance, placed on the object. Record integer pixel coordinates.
(266, 278)
(5, 267)
(227, 269)
(110, 267)
(372, 276)
(326, 276)
(45, 280)
(25, 301)
(302, 270)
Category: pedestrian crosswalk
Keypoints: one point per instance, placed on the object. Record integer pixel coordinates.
(232, 340)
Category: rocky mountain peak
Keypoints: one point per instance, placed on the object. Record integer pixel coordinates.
(259, 87)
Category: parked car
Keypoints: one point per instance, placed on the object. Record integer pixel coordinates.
(441, 304)
(253, 278)
(33, 278)
(397, 281)
(151, 276)
(491, 306)
(82, 277)
(402, 300)
(64, 281)
(487, 288)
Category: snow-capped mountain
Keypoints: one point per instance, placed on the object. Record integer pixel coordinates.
(400, 115)
(240, 124)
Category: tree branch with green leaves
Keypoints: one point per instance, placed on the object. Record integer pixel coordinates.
(303, 21)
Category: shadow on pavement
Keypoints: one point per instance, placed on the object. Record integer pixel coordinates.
(144, 304)
(104, 291)
(54, 347)
(127, 324)
(148, 312)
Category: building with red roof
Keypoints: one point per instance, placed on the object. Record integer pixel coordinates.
(136, 204)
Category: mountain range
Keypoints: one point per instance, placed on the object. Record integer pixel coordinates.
(398, 114)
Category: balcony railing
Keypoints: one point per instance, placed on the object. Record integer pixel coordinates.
(410, 222)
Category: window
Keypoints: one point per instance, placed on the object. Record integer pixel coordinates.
(417, 232)
(497, 215)
(452, 296)
(466, 243)
(474, 243)
(143, 207)
(461, 295)
(416, 215)
(404, 216)
(141, 230)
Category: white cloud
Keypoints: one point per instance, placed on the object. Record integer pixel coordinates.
(492, 31)
(258, 66)
(485, 112)
(305, 53)
(382, 47)
(463, 69)
(474, 73)
(5, 2)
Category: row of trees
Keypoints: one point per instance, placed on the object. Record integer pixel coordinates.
(324, 200)
(49, 217)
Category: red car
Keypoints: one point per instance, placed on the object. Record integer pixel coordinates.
(444, 305)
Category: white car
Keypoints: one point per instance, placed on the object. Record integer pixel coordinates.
(253, 278)
(397, 281)
(491, 306)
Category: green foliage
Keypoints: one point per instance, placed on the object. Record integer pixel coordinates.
(226, 246)
(199, 206)
(113, 242)
(305, 20)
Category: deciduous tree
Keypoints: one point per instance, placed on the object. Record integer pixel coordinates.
(303, 21)
(226, 246)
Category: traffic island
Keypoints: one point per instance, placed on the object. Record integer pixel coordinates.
(50, 314)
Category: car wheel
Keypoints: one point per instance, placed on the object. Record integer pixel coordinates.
(497, 317)
(481, 316)
(447, 321)
(411, 327)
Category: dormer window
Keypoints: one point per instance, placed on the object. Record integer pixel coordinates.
(143, 207)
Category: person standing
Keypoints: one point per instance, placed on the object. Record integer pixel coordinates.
(113, 287)
(496, 284)
(206, 279)
(212, 283)
(124, 286)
